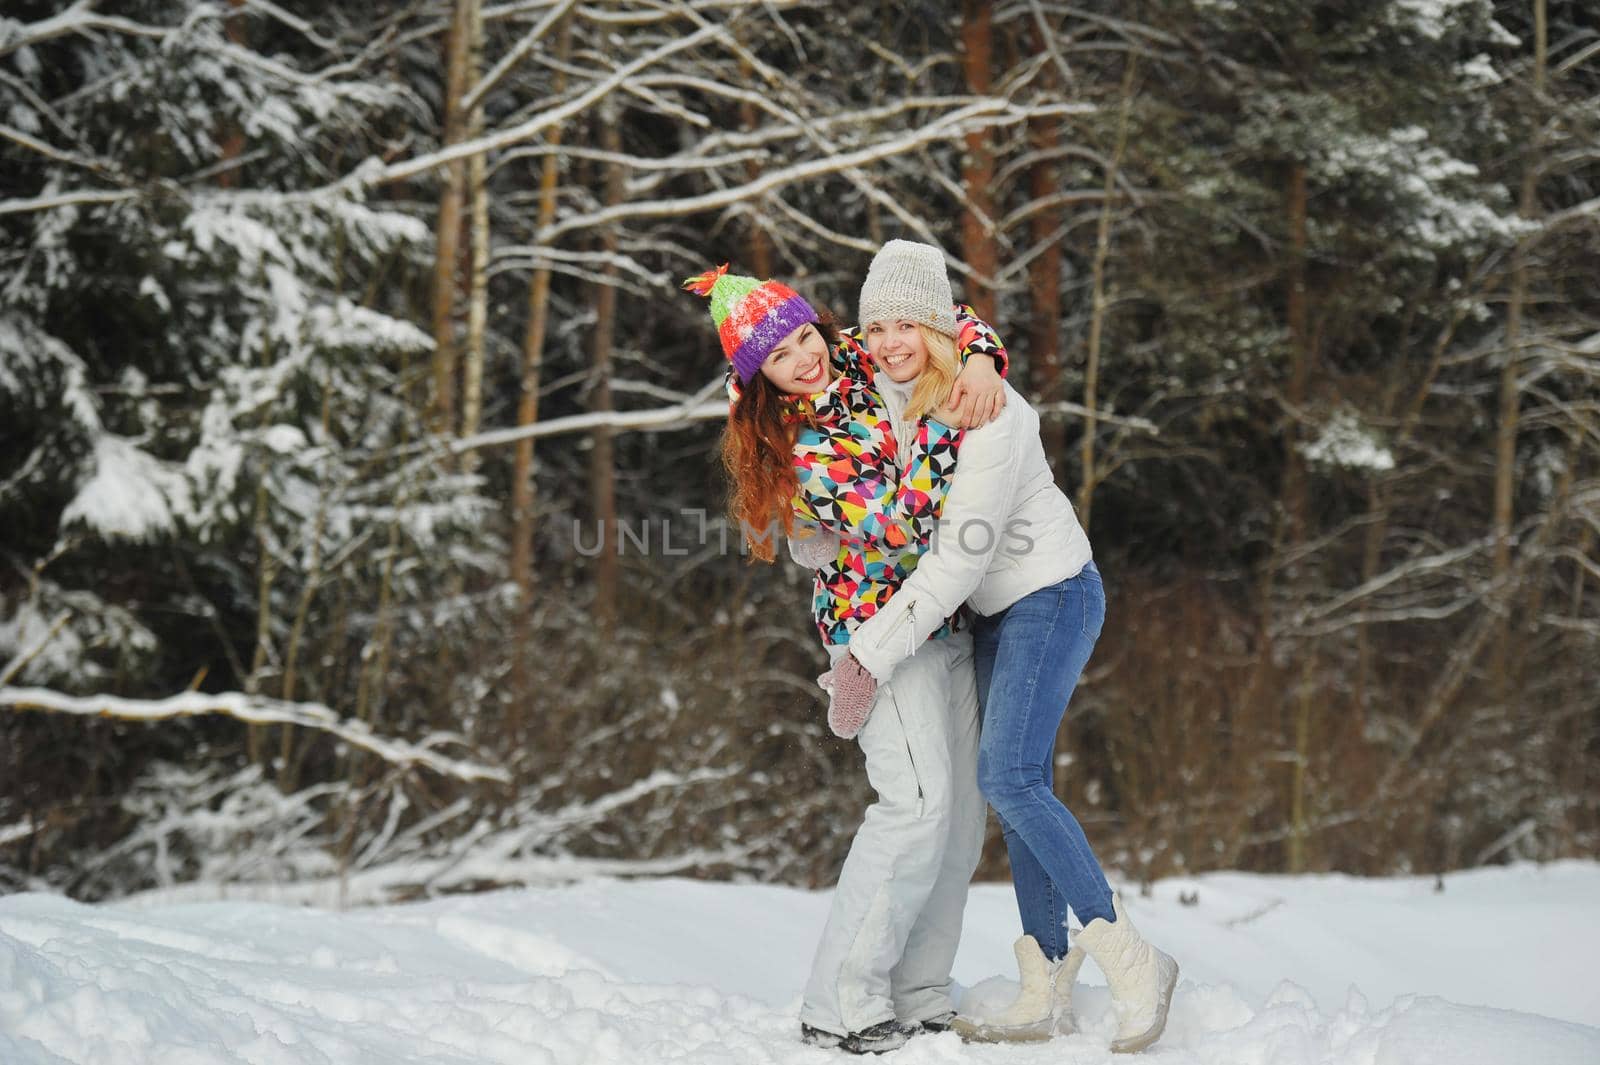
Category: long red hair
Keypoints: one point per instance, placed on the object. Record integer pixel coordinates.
(758, 454)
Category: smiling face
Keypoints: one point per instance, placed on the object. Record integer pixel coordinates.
(898, 348)
(799, 364)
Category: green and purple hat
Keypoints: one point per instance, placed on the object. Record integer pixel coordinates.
(751, 316)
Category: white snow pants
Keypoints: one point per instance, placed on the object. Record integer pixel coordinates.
(892, 933)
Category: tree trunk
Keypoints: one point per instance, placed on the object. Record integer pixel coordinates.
(1267, 705)
(1294, 493)
(448, 230)
(478, 296)
(978, 246)
(1295, 500)
(374, 676)
(1371, 555)
(602, 477)
(288, 765)
(1044, 282)
(523, 490)
(232, 138)
(1579, 574)
(232, 143)
(1300, 764)
(266, 574)
(760, 243)
(1378, 510)
(1510, 400)
(1097, 317)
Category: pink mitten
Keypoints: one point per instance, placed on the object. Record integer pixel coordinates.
(852, 694)
(815, 551)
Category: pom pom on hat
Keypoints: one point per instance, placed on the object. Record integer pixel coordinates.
(701, 284)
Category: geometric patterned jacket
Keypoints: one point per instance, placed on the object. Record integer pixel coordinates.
(881, 497)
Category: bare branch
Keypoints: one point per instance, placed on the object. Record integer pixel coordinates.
(987, 112)
(20, 662)
(79, 18)
(678, 417)
(536, 125)
(50, 151)
(258, 710)
(475, 95)
(66, 199)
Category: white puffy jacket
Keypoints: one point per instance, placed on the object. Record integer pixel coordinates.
(1006, 531)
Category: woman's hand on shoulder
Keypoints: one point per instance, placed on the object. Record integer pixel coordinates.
(978, 397)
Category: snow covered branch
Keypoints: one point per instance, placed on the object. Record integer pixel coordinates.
(65, 199)
(678, 417)
(1441, 561)
(694, 409)
(475, 95)
(1066, 408)
(539, 123)
(698, 409)
(258, 710)
(1587, 210)
(79, 18)
(983, 114)
(49, 150)
(17, 664)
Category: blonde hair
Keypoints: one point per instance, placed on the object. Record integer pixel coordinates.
(938, 377)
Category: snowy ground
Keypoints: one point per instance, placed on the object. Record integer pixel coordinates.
(1500, 967)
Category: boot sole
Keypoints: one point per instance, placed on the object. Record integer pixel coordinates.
(969, 1032)
(1139, 1042)
(818, 1037)
(854, 1046)
(850, 1044)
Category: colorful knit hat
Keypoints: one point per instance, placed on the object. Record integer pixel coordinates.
(752, 317)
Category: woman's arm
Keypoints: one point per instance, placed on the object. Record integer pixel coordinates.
(977, 337)
(974, 336)
(979, 394)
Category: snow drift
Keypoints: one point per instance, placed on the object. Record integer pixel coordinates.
(1317, 970)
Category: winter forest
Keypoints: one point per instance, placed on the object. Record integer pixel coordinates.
(362, 521)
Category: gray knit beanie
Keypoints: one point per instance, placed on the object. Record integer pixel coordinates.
(907, 280)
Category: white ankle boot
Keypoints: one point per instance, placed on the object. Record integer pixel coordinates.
(1140, 976)
(1043, 1008)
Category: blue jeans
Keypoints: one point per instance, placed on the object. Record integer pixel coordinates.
(1029, 657)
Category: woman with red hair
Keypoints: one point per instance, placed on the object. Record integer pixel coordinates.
(812, 448)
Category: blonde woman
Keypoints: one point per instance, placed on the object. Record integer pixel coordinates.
(1008, 546)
